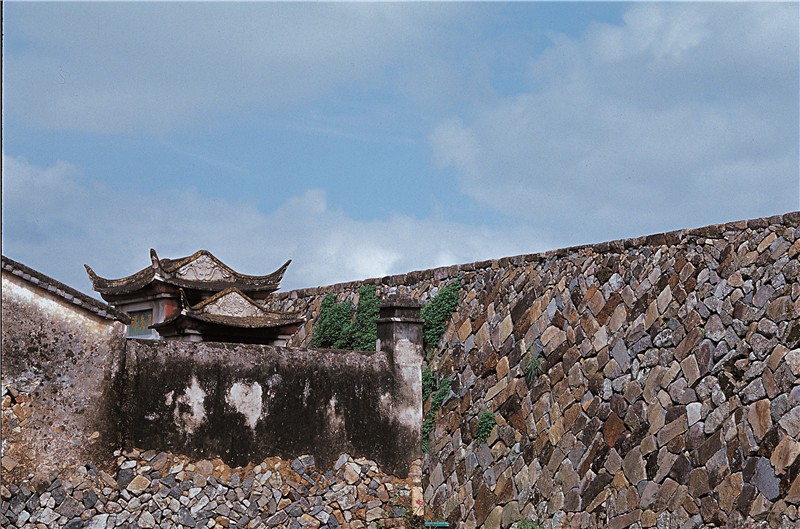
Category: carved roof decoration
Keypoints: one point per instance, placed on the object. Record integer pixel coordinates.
(232, 308)
(199, 271)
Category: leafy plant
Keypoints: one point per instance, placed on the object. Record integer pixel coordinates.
(429, 383)
(363, 331)
(486, 423)
(439, 395)
(338, 328)
(333, 324)
(437, 312)
(533, 367)
(400, 506)
(526, 523)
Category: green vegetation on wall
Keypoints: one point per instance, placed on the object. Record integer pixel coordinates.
(364, 328)
(486, 423)
(338, 328)
(533, 366)
(437, 312)
(333, 324)
(440, 389)
(429, 382)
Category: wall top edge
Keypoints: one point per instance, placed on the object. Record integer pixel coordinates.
(712, 231)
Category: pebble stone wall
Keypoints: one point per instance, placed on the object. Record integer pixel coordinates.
(668, 390)
(159, 490)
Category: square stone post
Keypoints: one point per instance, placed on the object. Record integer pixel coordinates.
(400, 336)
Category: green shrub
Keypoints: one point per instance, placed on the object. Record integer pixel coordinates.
(486, 423)
(439, 389)
(363, 331)
(338, 328)
(441, 393)
(332, 327)
(427, 428)
(429, 383)
(533, 367)
(525, 523)
(437, 312)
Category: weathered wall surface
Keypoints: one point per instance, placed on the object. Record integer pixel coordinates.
(58, 367)
(242, 402)
(668, 394)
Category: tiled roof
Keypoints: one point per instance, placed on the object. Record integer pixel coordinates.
(199, 271)
(66, 293)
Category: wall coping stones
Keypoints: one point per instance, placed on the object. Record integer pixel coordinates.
(713, 231)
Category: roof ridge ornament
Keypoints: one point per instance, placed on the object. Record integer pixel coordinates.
(200, 271)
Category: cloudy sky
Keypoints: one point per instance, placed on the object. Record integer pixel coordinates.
(365, 139)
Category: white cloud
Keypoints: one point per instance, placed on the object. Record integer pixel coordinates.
(56, 219)
(153, 67)
(632, 128)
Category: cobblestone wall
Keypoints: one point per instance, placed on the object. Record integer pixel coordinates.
(157, 489)
(668, 392)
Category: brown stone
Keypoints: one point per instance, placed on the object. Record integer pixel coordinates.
(672, 430)
(784, 454)
(485, 501)
(625, 520)
(138, 485)
(690, 369)
(709, 509)
(688, 343)
(729, 490)
(502, 367)
(709, 447)
(494, 518)
(664, 494)
(758, 415)
(612, 429)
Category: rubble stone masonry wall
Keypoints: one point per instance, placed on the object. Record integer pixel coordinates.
(667, 396)
(668, 389)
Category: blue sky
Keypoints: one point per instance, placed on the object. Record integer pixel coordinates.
(365, 139)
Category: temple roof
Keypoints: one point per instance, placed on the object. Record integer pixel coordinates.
(199, 271)
(232, 308)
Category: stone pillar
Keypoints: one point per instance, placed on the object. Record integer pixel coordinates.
(400, 337)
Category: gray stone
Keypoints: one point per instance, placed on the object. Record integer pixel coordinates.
(791, 422)
(185, 518)
(793, 361)
(633, 466)
(714, 328)
(754, 391)
(70, 507)
(765, 480)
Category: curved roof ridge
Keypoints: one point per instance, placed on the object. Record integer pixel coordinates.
(171, 271)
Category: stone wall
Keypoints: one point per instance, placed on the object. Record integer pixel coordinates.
(667, 394)
(667, 397)
(158, 489)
